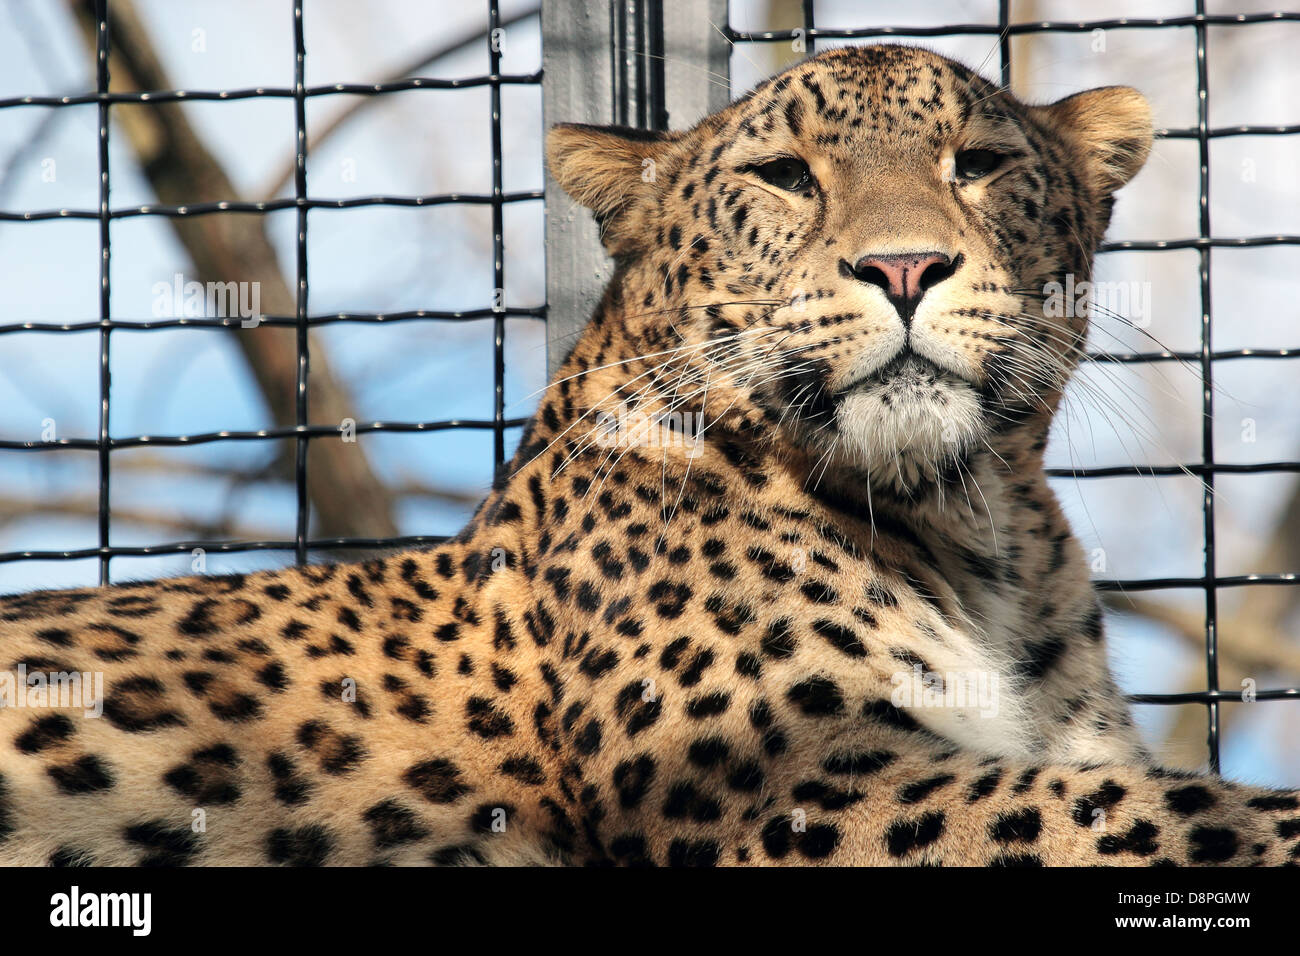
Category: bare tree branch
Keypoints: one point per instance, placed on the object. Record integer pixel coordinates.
(348, 497)
(15, 509)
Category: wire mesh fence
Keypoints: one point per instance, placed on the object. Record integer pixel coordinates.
(304, 430)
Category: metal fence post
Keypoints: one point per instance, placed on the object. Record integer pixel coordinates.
(605, 63)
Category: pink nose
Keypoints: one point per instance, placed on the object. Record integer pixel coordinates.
(905, 277)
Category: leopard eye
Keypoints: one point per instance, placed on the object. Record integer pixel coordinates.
(977, 163)
(787, 173)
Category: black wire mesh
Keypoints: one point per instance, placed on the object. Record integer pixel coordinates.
(1209, 582)
(303, 432)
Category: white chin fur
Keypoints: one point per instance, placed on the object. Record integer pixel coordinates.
(902, 433)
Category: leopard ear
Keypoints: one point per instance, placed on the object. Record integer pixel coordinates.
(1112, 125)
(605, 168)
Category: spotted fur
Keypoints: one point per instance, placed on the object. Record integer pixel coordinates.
(685, 645)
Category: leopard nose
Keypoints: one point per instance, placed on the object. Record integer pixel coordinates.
(905, 277)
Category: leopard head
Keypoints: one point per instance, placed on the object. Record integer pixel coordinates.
(860, 248)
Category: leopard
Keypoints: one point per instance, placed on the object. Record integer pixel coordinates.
(775, 575)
